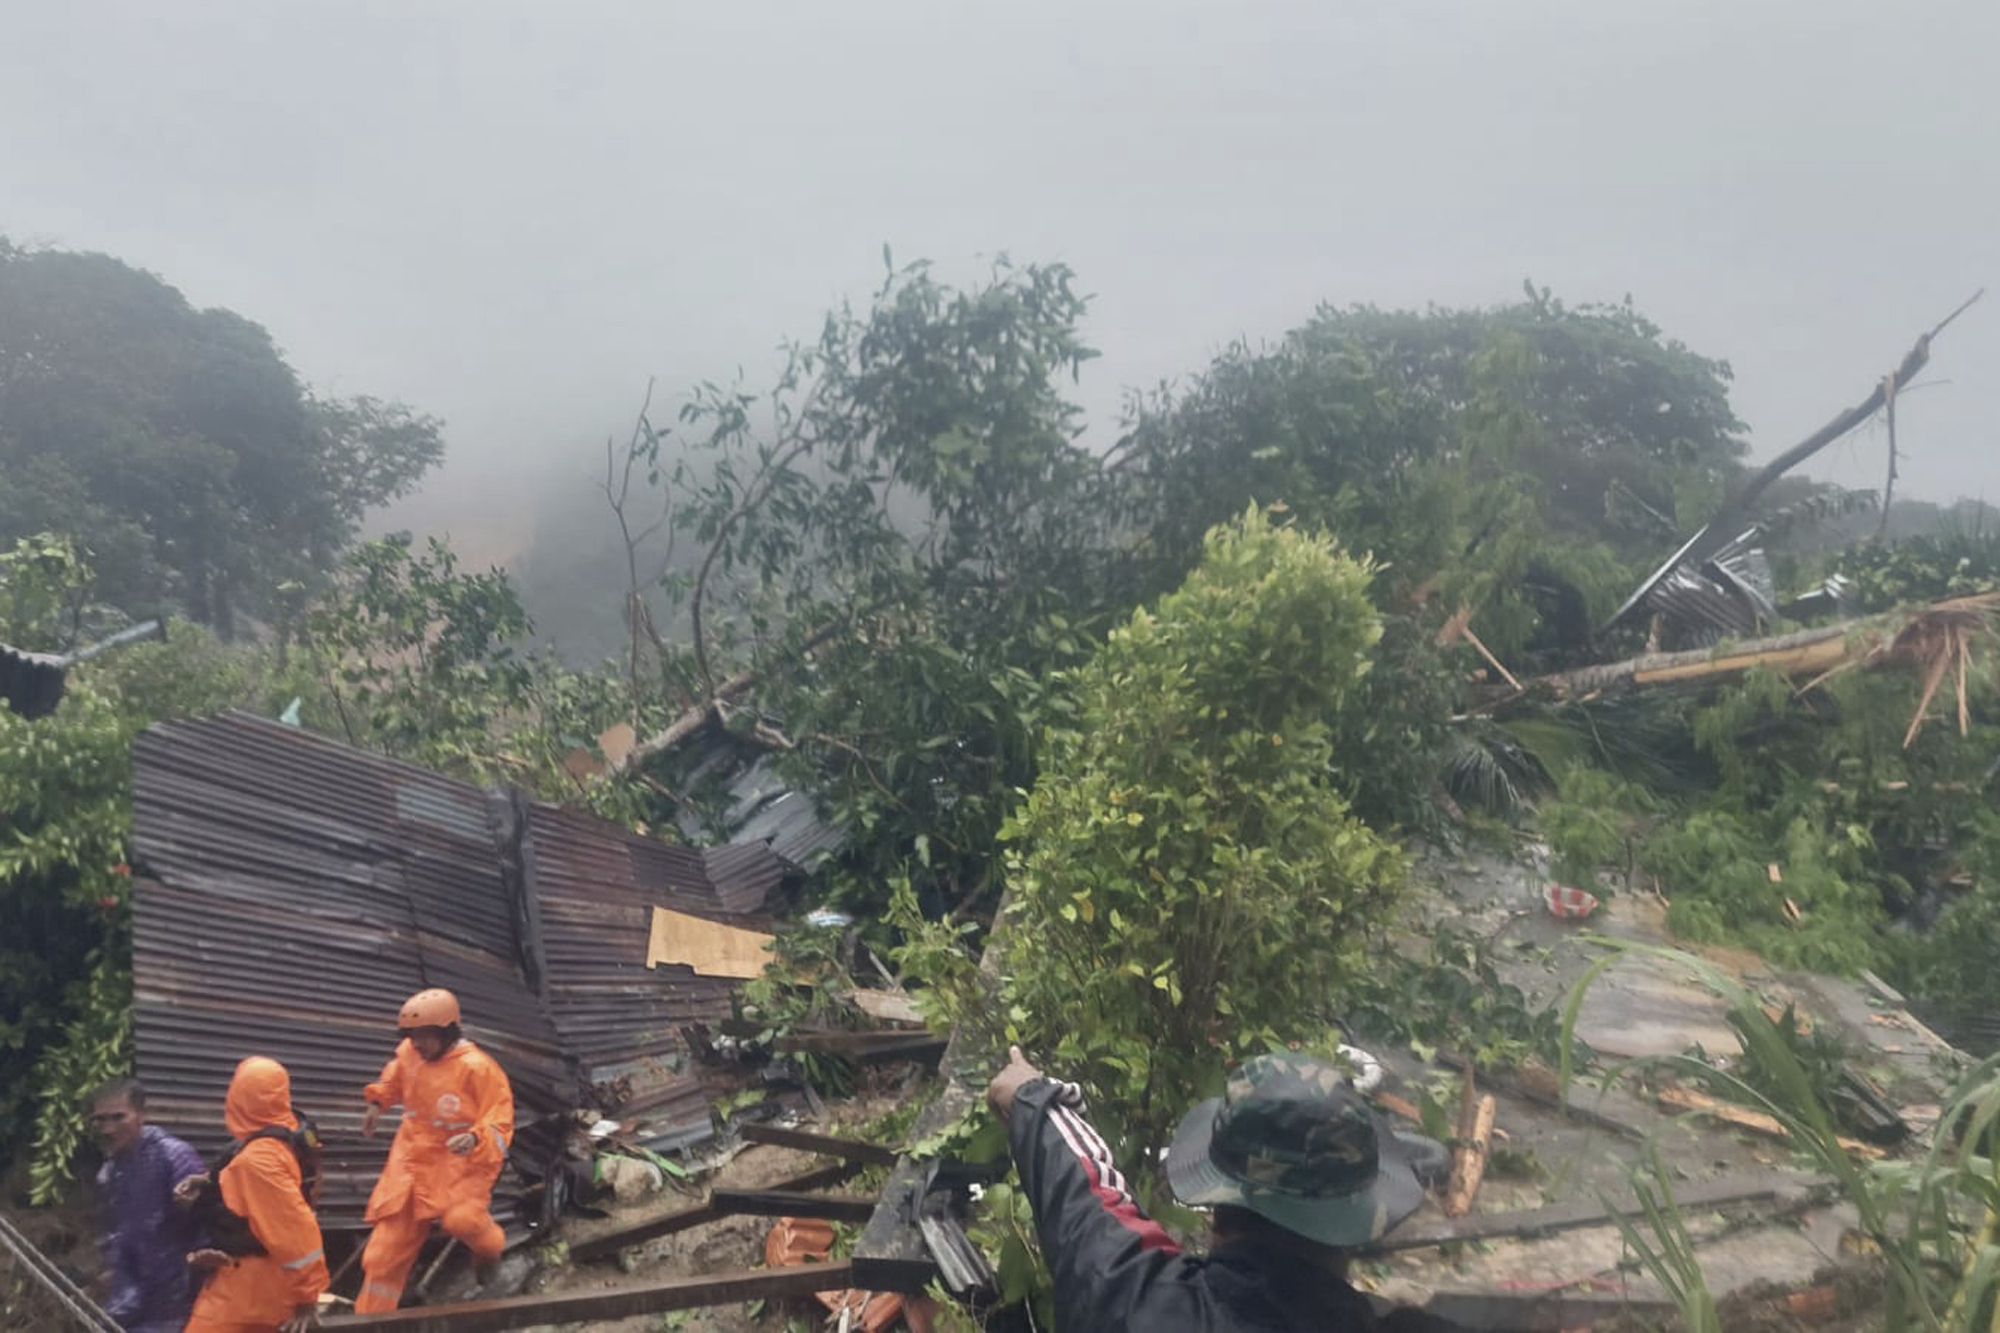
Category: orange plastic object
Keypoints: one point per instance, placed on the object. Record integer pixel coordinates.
(807, 1240)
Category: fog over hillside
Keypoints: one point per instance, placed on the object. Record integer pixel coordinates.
(515, 215)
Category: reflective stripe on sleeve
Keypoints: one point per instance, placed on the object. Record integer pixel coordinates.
(301, 1263)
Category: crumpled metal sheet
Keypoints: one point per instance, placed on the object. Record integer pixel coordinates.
(292, 891)
(1729, 594)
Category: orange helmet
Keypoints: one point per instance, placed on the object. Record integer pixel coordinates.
(433, 1008)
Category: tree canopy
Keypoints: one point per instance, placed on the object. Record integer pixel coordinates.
(1512, 459)
(177, 444)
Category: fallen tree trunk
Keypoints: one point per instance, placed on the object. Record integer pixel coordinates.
(1806, 651)
(1733, 518)
(1927, 636)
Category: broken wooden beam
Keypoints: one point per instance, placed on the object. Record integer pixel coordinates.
(848, 1150)
(1678, 1098)
(575, 1307)
(794, 1203)
(1789, 1191)
(1537, 1083)
(1468, 1156)
(611, 1242)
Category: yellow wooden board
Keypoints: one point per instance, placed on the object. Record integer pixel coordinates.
(709, 947)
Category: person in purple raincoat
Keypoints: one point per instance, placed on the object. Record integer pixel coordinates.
(144, 1236)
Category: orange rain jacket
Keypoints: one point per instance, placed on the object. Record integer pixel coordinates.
(262, 1185)
(462, 1091)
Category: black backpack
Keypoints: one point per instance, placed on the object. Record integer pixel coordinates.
(230, 1232)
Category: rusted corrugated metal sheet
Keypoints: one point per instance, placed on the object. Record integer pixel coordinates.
(598, 886)
(293, 890)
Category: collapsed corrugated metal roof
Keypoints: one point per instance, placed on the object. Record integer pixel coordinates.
(764, 808)
(1729, 593)
(292, 891)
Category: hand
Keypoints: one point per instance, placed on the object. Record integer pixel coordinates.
(1000, 1092)
(189, 1188)
(207, 1261)
(461, 1143)
(306, 1317)
(368, 1119)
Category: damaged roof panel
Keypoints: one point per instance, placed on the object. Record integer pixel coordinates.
(597, 886)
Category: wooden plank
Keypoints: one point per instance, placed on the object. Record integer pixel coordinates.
(795, 1203)
(1742, 1117)
(886, 1006)
(611, 1242)
(851, 1150)
(1757, 1187)
(575, 1307)
(1541, 1085)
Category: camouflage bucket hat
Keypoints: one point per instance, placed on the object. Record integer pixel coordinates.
(1292, 1141)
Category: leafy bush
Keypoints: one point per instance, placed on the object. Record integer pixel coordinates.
(1951, 562)
(1187, 884)
(1822, 913)
(1859, 826)
(1955, 965)
(1596, 823)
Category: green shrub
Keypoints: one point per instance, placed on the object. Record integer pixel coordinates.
(1187, 885)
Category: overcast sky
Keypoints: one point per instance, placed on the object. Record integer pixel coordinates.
(512, 215)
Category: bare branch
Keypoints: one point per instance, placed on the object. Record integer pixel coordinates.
(638, 615)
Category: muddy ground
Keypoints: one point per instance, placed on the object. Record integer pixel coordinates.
(731, 1243)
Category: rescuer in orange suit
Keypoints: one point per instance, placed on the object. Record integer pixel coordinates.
(458, 1119)
(262, 1184)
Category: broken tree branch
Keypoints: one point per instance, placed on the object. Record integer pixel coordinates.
(1888, 483)
(638, 615)
(1920, 636)
(1914, 360)
(701, 714)
(1733, 516)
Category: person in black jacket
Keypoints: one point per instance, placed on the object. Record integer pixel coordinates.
(1296, 1167)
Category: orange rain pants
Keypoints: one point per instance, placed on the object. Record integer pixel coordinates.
(461, 1092)
(256, 1293)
